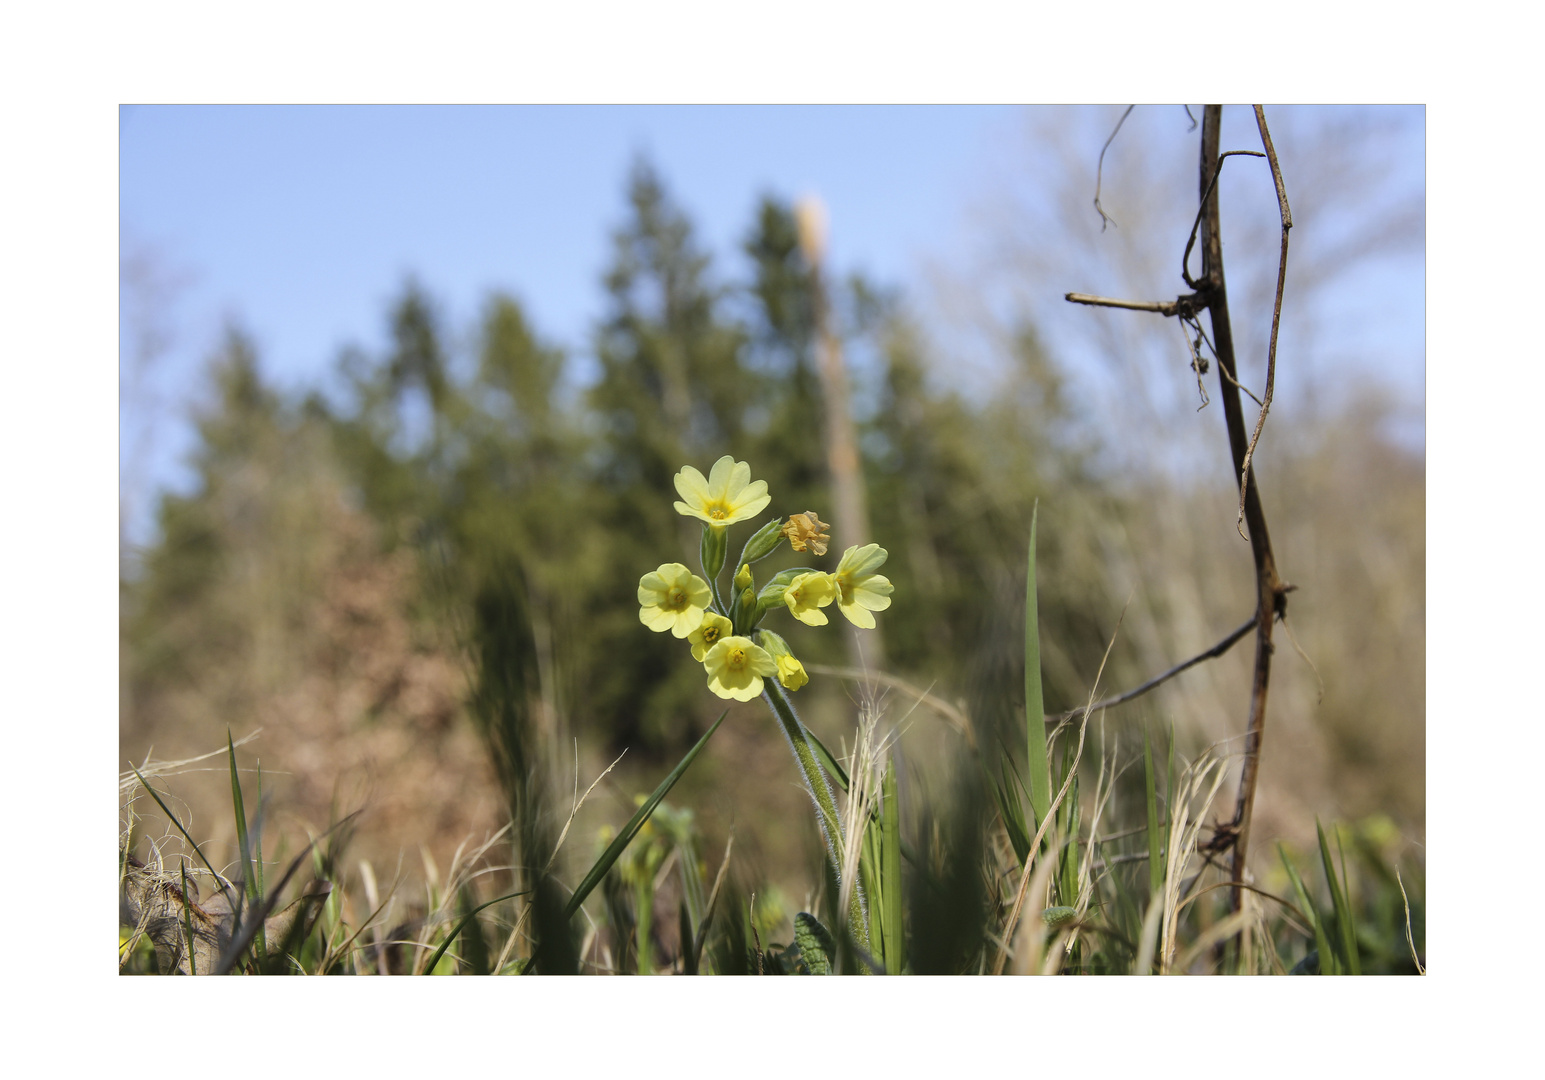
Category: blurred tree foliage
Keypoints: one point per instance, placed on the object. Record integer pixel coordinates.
(479, 452)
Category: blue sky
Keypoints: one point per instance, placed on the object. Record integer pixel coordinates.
(302, 222)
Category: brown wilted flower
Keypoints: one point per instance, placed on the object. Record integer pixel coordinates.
(807, 530)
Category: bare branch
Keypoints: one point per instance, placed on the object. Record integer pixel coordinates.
(1276, 312)
(1217, 650)
(1184, 306)
(1185, 259)
(1100, 170)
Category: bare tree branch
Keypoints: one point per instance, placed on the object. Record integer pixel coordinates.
(1271, 594)
(1185, 259)
(1100, 170)
(1217, 650)
(1211, 293)
(1184, 306)
(1276, 311)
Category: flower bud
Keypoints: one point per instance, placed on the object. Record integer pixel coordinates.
(743, 578)
(791, 673)
(763, 542)
(743, 611)
(715, 539)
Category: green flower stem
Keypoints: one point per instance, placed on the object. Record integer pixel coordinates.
(821, 794)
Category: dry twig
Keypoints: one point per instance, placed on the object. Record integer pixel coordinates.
(1210, 292)
(1276, 310)
(1099, 171)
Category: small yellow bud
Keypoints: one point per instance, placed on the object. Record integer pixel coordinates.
(743, 578)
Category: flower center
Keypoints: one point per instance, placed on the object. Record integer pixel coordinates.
(676, 598)
(737, 658)
(718, 512)
(710, 635)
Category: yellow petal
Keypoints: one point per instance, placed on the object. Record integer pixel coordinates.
(656, 618)
(691, 486)
(719, 477)
(857, 615)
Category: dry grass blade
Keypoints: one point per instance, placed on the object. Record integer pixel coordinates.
(1218, 931)
(951, 714)
(1186, 823)
(1410, 941)
(1030, 940)
(153, 767)
(713, 900)
(1147, 940)
(579, 802)
(866, 770)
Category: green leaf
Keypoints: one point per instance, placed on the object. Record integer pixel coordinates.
(815, 943)
(1035, 708)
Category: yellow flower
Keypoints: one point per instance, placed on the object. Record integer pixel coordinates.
(714, 627)
(672, 598)
(807, 529)
(861, 589)
(727, 496)
(808, 593)
(736, 666)
(791, 673)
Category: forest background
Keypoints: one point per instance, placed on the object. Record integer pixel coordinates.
(322, 577)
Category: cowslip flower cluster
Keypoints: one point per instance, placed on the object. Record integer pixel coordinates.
(726, 635)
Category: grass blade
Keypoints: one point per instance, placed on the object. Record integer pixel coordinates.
(1035, 707)
(253, 923)
(636, 822)
(1328, 964)
(1343, 908)
(434, 957)
(891, 947)
(219, 878)
(250, 887)
(1155, 841)
(257, 832)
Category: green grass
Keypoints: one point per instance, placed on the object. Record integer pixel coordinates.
(1091, 862)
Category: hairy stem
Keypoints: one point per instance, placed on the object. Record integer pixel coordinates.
(825, 803)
